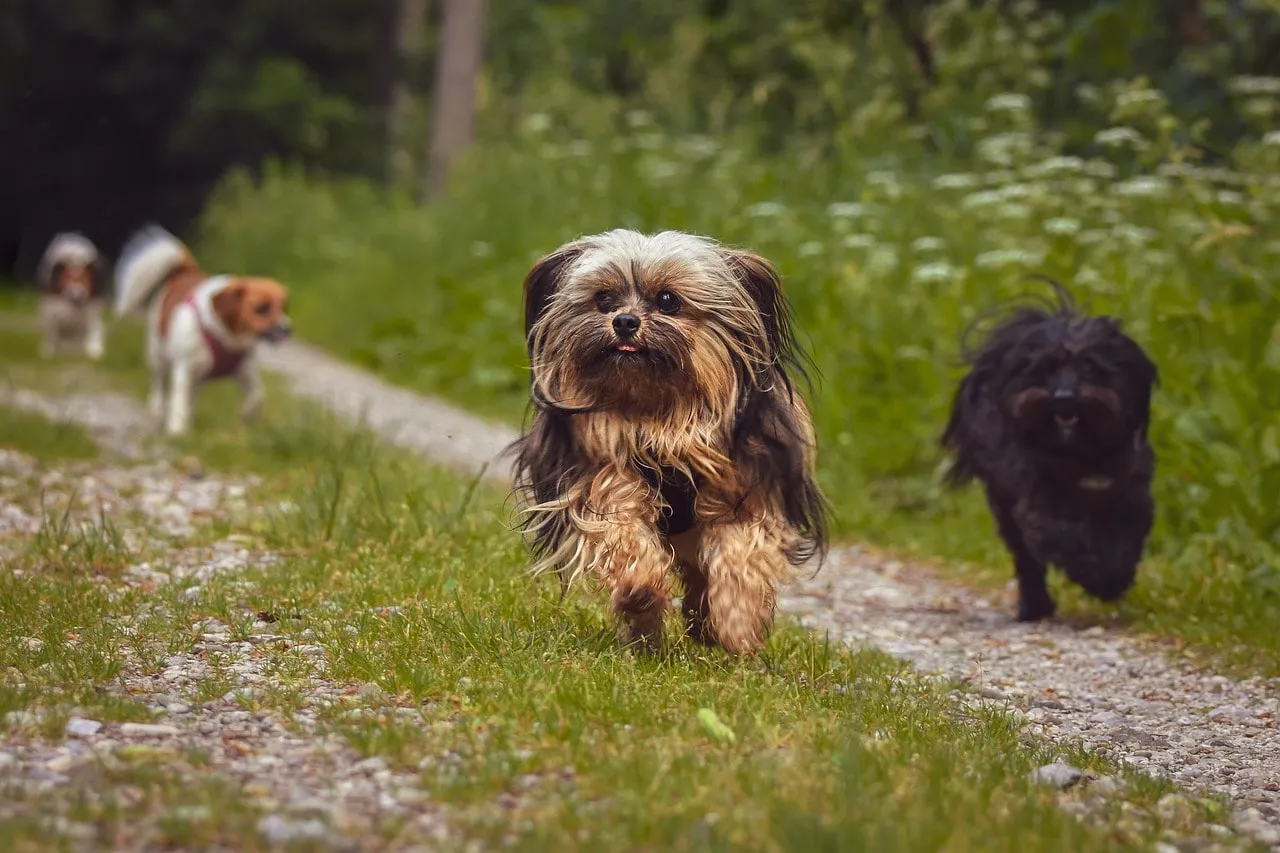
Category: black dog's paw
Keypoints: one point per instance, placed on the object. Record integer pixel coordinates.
(1033, 609)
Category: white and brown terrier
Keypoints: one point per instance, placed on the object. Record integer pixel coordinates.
(72, 280)
(199, 327)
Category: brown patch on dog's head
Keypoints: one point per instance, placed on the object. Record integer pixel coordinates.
(72, 281)
(254, 306)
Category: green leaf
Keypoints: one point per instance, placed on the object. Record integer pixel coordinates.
(714, 727)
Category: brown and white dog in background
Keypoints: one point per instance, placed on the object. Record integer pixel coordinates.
(72, 280)
(199, 327)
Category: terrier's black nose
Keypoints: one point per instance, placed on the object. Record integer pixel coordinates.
(626, 325)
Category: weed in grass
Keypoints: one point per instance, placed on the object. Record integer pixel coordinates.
(67, 544)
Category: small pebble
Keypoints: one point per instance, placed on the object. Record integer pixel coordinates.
(80, 727)
(1058, 775)
(148, 730)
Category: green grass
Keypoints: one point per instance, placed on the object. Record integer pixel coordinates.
(34, 435)
(537, 729)
(525, 719)
(887, 262)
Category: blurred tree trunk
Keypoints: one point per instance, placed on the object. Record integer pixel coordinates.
(910, 21)
(408, 44)
(454, 102)
(1187, 19)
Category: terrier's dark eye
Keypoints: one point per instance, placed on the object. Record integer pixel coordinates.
(668, 302)
(263, 308)
(605, 302)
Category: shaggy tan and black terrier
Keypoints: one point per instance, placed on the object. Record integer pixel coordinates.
(1052, 419)
(667, 436)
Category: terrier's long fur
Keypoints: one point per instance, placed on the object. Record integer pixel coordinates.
(1052, 419)
(72, 277)
(199, 328)
(667, 435)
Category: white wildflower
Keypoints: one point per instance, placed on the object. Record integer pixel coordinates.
(579, 148)
(1250, 85)
(663, 169)
(1062, 225)
(1005, 258)
(1012, 191)
(982, 198)
(1014, 210)
(936, 271)
(1093, 235)
(1136, 97)
(700, 145)
(1012, 102)
(883, 260)
(1003, 148)
(639, 118)
(810, 249)
(650, 141)
(1230, 197)
(928, 244)
(1134, 235)
(1272, 137)
(845, 210)
(1088, 275)
(860, 241)
(537, 123)
(956, 181)
(1143, 186)
(767, 209)
(481, 249)
(1057, 166)
(1118, 136)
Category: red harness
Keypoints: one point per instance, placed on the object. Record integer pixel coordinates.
(226, 361)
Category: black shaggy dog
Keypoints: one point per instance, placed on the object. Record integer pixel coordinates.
(1052, 419)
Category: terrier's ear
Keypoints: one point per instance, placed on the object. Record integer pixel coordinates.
(544, 280)
(761, 280)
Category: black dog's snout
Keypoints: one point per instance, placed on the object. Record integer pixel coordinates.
(1063, 394)
(626, 325)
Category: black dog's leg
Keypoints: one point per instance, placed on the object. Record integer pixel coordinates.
(1034, 601)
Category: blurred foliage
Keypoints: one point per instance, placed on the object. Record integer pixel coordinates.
(124, 111)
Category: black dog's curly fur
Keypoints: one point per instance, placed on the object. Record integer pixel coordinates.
(1052, 419)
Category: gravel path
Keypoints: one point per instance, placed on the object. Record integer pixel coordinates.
(445, 433)
(1121, 695)
(114, 420)
(305, 784)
